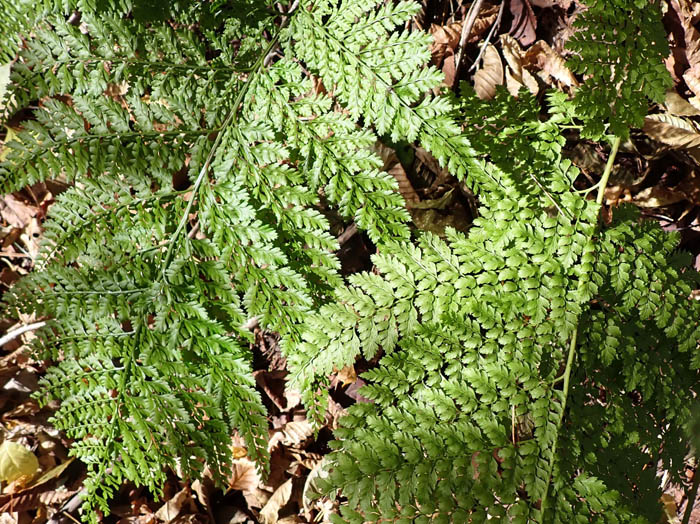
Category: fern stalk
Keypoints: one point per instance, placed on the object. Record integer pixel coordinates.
(565, 394)
(572, 346)
(608, 169)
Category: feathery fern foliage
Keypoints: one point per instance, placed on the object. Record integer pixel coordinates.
(531, 370)
(200, 155)
(620, 46)
(203, 140)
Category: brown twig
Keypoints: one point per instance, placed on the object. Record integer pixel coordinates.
(7, 337)
(494, 28)
(347, 234)
(466, 29)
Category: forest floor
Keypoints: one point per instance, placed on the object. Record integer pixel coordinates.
(514, 43)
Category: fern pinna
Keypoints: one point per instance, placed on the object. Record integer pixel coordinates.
(201, 156)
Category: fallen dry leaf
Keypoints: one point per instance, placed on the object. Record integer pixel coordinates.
(171, 509)
(444, 38)
(15, 212)
(524, 21)
(546, 59)
(310, 494)
(449, 68)
(4, 82)
(347, 375)
(490, 75)
(684, 10)
(393, 166)
(247, 479)
(245, 475)
(270, 512)
(52, 473)
(291, 434)
(692, 79)
(676, 132)
(657, 196)
(516, 75)
(564, 4)
(679, 106)
(487, 17)
(9, 137)
(694, 101)
(31, 237)
(17, 462)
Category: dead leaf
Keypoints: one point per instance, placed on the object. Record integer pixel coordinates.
(25, 409)
(695, 102)
(9, 137)
(444, 38)
(246, 479)
(17, 462)
(679, 106)
(138, 519)
(15, 212)
(516, 75)
(347, 375)
(171, 509)
(546, 59)
(310, 494)
(692, 80)
(449, 68)
(524, 21)
(116, 91)
(4, 82)
(354, 391)
(52, 473)
(689, 187)
(564, 4)
(270, 512)
(676, 132)
(273, 384)
(657, 196)
(334, 413)
(204, 488)
(56, 496)
(489, 75)
(393, 166)
(245, 475)
(31, 237)
(676, 63)
(487, 17)
(684, 11)
(291, 434)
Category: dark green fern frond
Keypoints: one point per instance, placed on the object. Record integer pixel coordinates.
(619, 48)
(469, 417)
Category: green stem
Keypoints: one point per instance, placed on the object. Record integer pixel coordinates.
(608, 169)
(565, 391)
(572, 346)
(231, 117)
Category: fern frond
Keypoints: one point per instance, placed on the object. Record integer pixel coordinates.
(467, 410)
(620, 48)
